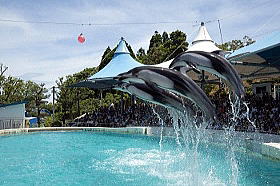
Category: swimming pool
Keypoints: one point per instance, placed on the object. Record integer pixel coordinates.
(95, 158)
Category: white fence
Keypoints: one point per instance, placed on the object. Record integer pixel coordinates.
(11, 123)
(12, 116)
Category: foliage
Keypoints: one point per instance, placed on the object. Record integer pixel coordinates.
(110, 98)
(12, 90)
(16, 90)
(71, 101)
(163, 47)
(236, 44)
(210, 89)
(106, 57)
(35, 95)
(249, 90)
(50, 123)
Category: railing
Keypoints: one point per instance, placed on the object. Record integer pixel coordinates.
(11, 123)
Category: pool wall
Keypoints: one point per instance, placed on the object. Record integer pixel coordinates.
(265, 144)
(132, 130)
(261, 143)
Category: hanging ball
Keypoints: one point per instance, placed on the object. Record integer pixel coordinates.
(81, 38)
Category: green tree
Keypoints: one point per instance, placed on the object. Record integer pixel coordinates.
(178, 43)
(106, 58)
(35, 95)
(236, 44)
(130, 50)
(71, 102)
(65, 97)
(141, 55)
(248, 41)
(12, 90)
(165, 37)
(163, 48)
(155, 41)
(39, 96)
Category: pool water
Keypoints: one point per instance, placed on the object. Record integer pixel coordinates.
(91, 158)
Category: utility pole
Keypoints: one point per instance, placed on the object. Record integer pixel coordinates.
(222, 42)
(3, 69)
(78, 101)
(53, 109)
(202, 79)
(220, 32)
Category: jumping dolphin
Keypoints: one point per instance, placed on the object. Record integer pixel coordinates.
(173, 81)
(153, 94)
(212, 63)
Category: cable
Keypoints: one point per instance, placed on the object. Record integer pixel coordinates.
(131, 23)
(196, 23)
(96, 24)
(242, 11)
(38, 22)
(265, 23)
(265, 33)
(206, 22)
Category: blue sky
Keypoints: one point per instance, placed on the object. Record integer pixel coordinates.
(44, 52)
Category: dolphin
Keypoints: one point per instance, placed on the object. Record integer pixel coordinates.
(173, 81)
(212, 63)
(153, 94)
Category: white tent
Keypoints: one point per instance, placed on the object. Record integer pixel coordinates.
(202, 42)
(164, 64)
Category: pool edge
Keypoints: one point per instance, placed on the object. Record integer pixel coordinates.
(131, 130)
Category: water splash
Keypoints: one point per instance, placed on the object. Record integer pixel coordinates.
(175, 124)
(235, 109)
(190, 131)
(247, 115)
(238, 114)
(161, 127)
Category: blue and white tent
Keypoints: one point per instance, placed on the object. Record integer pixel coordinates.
(260, 59)
(121, 62)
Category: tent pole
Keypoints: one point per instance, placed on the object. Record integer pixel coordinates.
(202, 79)
(122, 103)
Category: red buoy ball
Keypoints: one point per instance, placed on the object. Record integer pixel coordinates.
(81, 38)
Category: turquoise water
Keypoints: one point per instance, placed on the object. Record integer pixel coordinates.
(88, 158)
